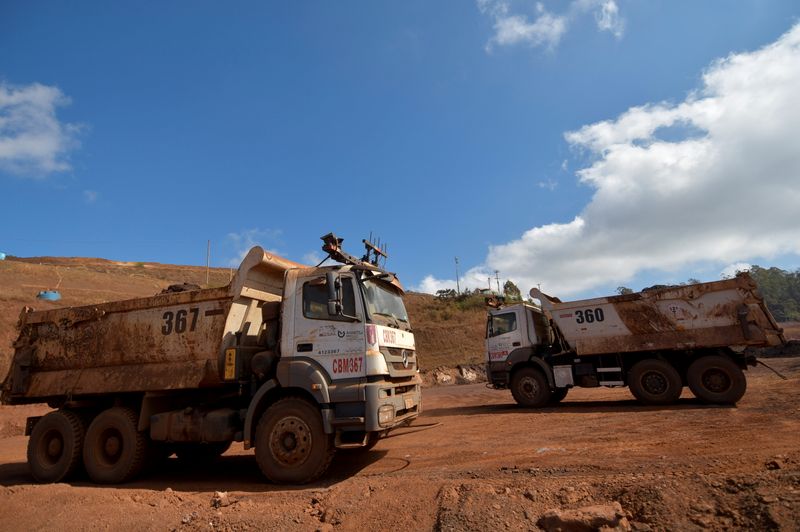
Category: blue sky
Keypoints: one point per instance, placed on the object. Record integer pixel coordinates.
(581, 145)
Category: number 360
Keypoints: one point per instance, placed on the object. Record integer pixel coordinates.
(589, 315)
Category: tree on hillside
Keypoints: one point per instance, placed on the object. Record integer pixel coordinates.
(781, 290)
(447, 293)
(511, 291)
(622, 290)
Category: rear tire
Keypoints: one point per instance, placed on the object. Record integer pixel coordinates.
(530, 388)
(291, 444)
(54, 448)
(114, 450)
(655, 382)
(716, 379)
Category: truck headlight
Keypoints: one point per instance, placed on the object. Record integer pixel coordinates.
(385, 415)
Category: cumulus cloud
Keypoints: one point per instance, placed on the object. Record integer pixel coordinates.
(242, 242)
(545, 28)
(732, 269)
(33, 142)
(478, 277)
(711, 180)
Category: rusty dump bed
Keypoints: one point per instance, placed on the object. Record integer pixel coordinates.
(165, 342)
(728, 313)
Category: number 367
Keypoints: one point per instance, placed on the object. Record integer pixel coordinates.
(178, 321)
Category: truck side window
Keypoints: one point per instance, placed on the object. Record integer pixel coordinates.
(503, 323)
(315, 300)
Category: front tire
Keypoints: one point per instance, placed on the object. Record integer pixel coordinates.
(54, 448)
(716, 379)
(530, 388)
(114, 450)
(655, 382)
(291, 444)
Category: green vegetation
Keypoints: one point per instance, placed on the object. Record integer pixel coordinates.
(781, 290)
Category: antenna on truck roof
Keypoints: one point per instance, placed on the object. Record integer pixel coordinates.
(333, 247)
(374, 252)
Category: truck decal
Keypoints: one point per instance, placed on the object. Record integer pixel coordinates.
(347, 365)
(589, 315)
(177, 321)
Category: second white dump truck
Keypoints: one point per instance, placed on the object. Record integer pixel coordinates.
(291, 360)
(655, 342)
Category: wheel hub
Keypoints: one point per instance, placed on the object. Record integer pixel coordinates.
(529, 386)
(290, 441)
(655, 383)
(716, 381)
(54, 447)
(112, 446)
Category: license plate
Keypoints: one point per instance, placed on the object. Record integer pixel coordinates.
(409, 402)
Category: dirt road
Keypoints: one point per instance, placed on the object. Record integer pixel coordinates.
(474, 462)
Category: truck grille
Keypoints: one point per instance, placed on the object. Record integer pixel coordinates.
(394, 356)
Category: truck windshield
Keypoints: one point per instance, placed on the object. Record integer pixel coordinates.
(384, 303)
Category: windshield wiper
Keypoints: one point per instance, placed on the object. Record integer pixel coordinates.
(392, 318)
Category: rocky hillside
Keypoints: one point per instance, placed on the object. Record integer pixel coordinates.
(446, 334)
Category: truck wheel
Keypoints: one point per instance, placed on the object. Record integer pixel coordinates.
(291, 444)
(114, 450)
(199, 453)
(716, 379)
(54, 448)
(558, 395)
(655, 382)
(530, 388)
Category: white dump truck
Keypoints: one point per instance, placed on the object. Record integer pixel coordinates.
(292, 360)
(655, 342)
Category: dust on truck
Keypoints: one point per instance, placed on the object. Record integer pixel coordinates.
(655, 342)
(291, 360)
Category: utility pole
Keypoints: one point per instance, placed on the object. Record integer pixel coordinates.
(497, 276)
(458, 287)
(208, 260)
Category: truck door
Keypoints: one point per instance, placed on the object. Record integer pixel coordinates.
(503, 334)
(337, 343)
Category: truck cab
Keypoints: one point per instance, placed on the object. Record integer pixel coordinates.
(514, 334)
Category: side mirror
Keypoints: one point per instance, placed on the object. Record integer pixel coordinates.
(334, 291)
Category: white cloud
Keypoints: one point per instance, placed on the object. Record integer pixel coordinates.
(477, 277)
(546, 29)
(608, 18)
(33, 142)
(732, 269)
(90, 196)
(244, 240)
(724, 188)
(312, 258)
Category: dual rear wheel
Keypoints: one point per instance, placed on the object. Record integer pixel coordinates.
(713, 379)
(111, 448)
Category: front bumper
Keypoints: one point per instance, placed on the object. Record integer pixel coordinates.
(402, 398)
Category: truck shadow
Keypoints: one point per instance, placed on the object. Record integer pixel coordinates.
(568, 407)
(238, 472)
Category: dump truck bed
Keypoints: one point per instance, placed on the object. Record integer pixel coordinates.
(728, 313)
(169, 341)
